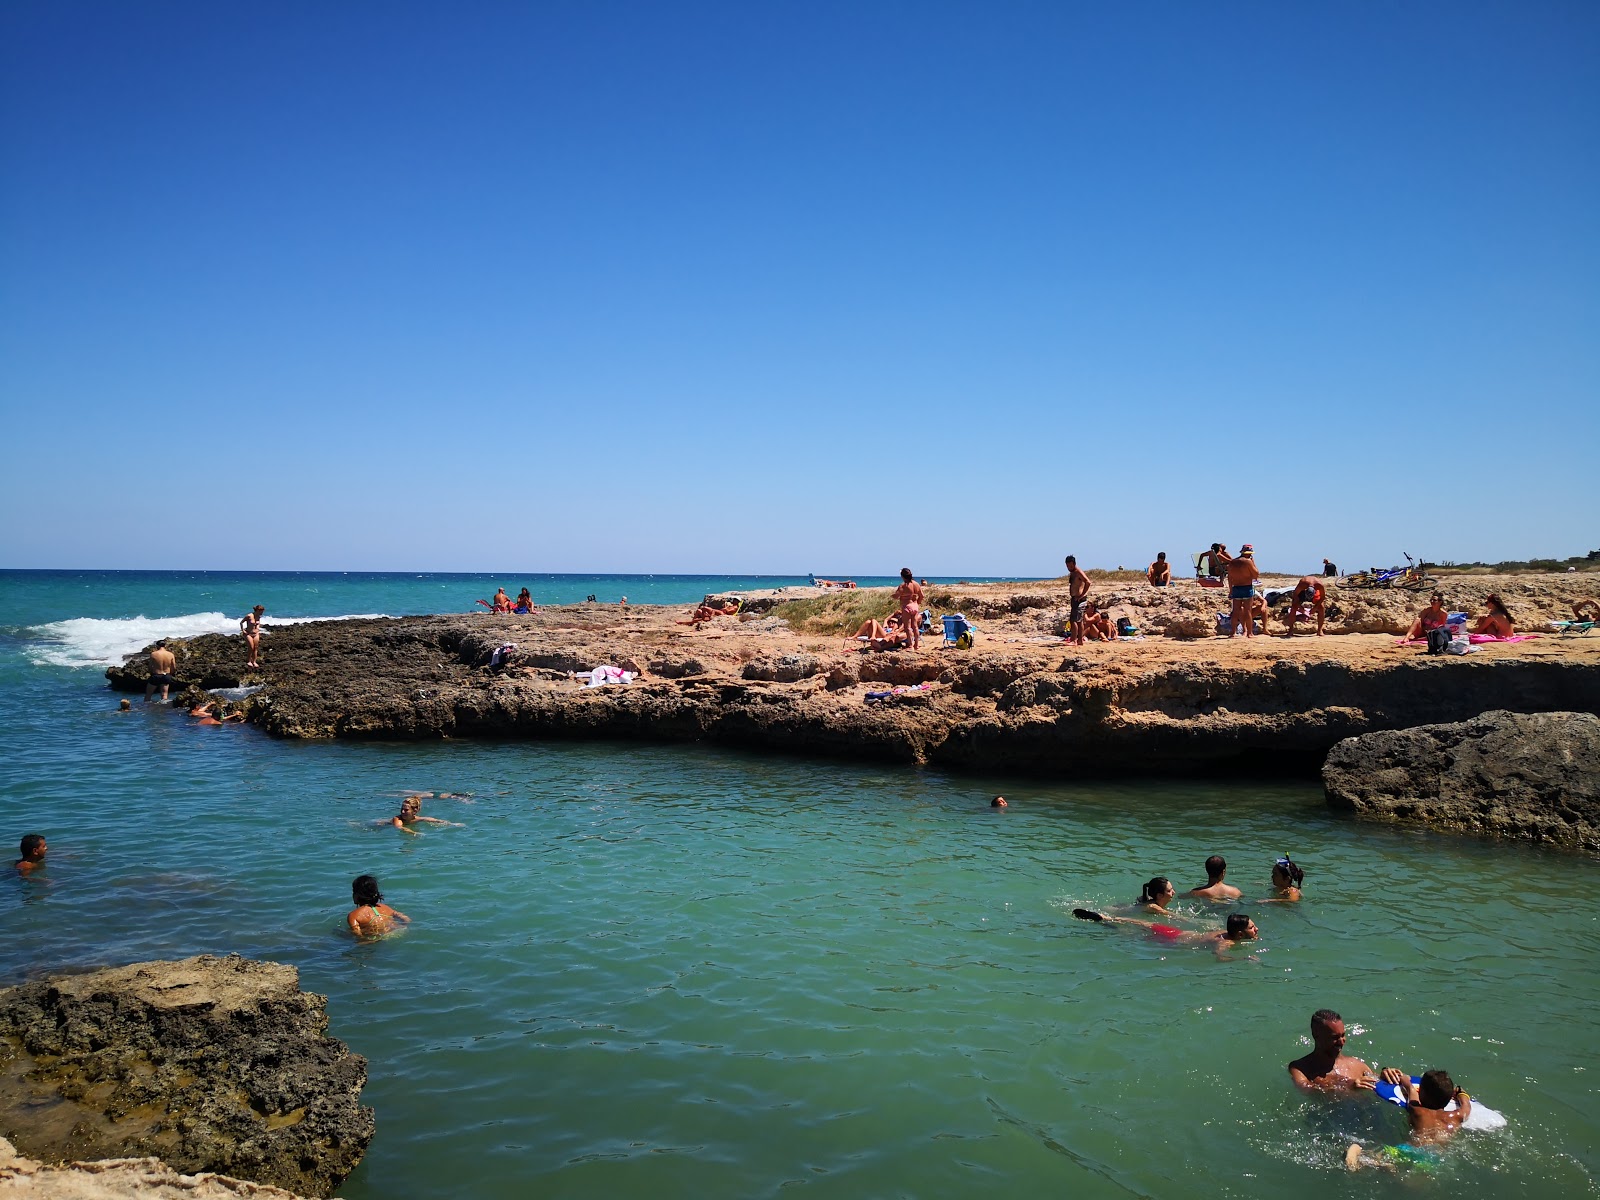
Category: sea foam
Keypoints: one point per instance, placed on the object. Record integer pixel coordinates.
(106, 642)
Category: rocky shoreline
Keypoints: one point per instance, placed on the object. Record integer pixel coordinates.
(209, 1064)
(1020, 700)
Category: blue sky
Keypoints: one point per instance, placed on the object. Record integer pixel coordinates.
(789, 287)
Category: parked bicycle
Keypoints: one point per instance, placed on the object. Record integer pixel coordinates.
(1413, 577)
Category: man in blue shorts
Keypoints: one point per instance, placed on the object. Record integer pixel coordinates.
(1242, 576)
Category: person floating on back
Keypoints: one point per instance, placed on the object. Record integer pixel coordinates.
(33, 850)
(371, 917)
(1431, 1125)
(1215, 889)
(1240, 928)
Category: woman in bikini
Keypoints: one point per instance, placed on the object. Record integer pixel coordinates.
(250, 624)
(909, 597)
(1431, 618)
(371, 917)
(1498, 621)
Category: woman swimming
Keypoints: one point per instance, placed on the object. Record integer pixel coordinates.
(1156, 895)
(371, 917)
(1286, 880)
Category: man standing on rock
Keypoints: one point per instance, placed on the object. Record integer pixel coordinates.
(1077, 592)
(162, 664)
(1242, 576)
(1328, 1069)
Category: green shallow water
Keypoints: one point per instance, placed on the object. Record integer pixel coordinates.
(679, 972)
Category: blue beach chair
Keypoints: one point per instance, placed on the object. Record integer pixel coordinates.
(958, 631)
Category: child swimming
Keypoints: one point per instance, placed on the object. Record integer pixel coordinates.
(1431, 1125)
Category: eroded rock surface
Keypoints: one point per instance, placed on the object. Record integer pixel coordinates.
(209, 1064)
(1522, 775)
(1020, 698)
(119, 1179)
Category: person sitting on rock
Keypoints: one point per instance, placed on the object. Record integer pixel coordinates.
(500, 604)
(1586, 610)
(371, 917)
(709, 610)
(1431, 618)
(1308, 593)
(524, 602)
(1096, 624)
(411, 814)
(1160, 571)
(1215, 889)
(1497, 623)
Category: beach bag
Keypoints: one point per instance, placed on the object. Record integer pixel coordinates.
(1438, 640)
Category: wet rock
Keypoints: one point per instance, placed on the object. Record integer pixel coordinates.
(209, 1064)
(1534, 776)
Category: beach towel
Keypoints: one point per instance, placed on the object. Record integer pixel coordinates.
(501, 654)
(606, 673)
(1478, 639)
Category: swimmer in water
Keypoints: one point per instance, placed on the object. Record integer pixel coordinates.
(1215, 890)
(1156, 895)
(998, 802)
(125, 706)
(371, 917)
(1286, 881)
(33, 850)
(1431, 1126)
(1240, 928)
(411, 814)
(1329, 1069)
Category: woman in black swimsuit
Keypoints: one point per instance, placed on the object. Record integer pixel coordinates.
(250, 623)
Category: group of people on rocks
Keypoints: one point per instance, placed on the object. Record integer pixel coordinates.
(503, 603)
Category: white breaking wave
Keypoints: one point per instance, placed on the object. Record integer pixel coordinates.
(98, 642)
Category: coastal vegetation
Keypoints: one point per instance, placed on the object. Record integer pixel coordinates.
(844, 611)
(1520, 566)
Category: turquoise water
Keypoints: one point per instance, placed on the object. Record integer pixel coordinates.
(676, 972)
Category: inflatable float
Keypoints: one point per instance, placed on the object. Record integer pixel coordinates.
(1482, 1118)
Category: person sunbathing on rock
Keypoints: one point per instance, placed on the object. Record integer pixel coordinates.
(500, 604)
(888, 636)
(524, 602)
(1586, 610)
(371, 917)
(707, 611)
(1431, 618)
(1096, 624)
(1497, 623)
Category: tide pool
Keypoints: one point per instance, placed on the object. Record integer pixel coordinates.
(684, 972)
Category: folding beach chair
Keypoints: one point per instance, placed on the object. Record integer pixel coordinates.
(958, 631)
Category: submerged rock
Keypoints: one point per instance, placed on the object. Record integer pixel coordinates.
(209, 1064)
(1523, 775)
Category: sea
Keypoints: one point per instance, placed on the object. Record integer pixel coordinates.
(687, 971)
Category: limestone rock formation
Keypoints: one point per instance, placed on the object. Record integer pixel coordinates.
(119, 1179)
(209, 1064)
(1523, 775)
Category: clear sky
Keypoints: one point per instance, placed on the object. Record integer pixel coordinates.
(787, 287)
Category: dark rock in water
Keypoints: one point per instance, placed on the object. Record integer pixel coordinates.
(209, 1064)
(1521, 775)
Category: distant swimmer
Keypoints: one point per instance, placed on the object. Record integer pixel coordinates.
(1215, 889)
(411, 814)
(1160, 571)
(1156, 895)
(250, 625)
(1329, 1069)
(998, 802)
(1431, 1126)
(371, 917)
(1286, 881)
(125, 705)
(33, 849)
(1077, 592)
(162, 664)
(1240, 928)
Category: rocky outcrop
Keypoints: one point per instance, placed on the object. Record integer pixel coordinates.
(209, 1064)
(119, 1179)
(1523, 775)
(1019, 699)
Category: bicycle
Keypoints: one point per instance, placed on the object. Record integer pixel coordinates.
(1411, 577)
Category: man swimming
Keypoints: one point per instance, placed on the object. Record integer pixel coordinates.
(1329, 1069)
(1215, 889)
(33, 850)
